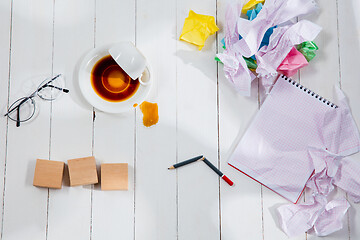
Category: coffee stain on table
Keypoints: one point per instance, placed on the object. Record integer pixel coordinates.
(150, 113)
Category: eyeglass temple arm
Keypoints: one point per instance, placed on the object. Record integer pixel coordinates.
(58, 88)
(46, 84)
(18, 117)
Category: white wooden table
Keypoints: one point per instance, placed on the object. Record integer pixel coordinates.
(200, 113)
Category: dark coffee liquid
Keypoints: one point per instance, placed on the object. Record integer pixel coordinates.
(111, 82)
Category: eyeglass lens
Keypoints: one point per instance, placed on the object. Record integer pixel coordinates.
(51, 88)
(24, 110)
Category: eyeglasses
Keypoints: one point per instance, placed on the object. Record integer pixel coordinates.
(24, 108)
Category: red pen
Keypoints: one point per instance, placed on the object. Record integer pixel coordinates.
(223, 176)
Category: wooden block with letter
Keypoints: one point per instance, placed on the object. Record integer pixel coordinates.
(82, 171)
(114, 176)
(48, 173)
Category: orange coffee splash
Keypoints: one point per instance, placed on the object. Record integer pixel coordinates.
(150, 113)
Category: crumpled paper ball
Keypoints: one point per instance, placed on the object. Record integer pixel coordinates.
(292, 63)
(250, 5)
(197, 28)
(308, 49)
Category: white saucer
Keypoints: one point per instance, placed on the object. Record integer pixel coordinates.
(96, 101)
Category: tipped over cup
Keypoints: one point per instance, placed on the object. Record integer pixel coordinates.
(115, 77)
(130, 59)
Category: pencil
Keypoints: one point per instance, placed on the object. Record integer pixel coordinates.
(180, 164)
(218, 172)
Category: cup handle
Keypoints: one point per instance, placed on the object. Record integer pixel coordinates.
(149, 78)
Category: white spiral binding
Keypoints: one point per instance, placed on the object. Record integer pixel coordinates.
(308, 91)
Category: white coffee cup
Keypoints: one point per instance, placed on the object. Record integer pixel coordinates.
(129, 59)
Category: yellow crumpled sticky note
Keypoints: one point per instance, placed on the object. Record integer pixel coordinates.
(250, 5)
(197, 28)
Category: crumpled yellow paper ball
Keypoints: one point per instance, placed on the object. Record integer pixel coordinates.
(197, 28)
(250, 5)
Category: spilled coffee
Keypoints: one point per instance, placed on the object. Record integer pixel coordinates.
(111, 82)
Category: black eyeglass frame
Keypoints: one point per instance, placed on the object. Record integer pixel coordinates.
(23, 100)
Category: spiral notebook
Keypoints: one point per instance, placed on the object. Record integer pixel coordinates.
(274, 149)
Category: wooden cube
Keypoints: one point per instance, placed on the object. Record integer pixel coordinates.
(114, 176)
(48, 173)
(82, 171)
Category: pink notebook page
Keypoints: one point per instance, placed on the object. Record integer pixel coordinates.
(274, 149)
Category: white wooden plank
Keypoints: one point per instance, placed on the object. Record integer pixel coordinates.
(323, 73)
(241, 206)
(25, 205)
(349, 43)
(113, 211)
(198, 186)
(155, 186)
(271, 201)
(260, 206)
(71, 136)
(5, 19)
